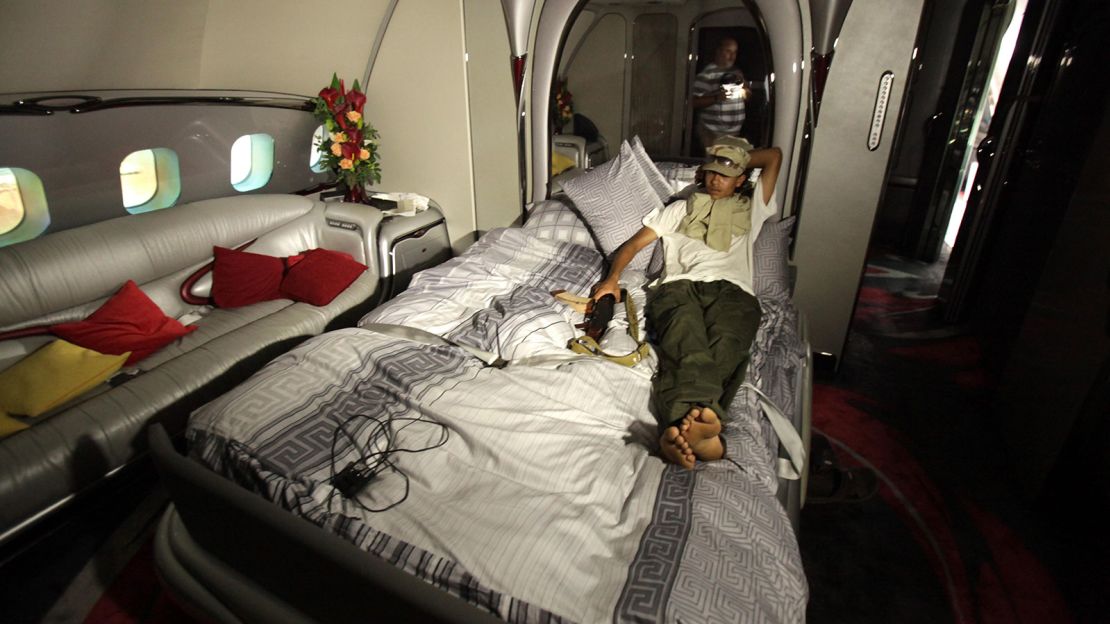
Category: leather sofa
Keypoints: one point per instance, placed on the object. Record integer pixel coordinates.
(67, 275)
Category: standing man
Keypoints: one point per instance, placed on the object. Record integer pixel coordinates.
(702, 309)
(719, 93)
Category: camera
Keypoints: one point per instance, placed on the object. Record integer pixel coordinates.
(733, 86)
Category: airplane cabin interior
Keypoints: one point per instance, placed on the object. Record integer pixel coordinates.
(301, 313)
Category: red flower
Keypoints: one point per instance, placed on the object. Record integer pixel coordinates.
(330, 96)
(356, 99)
(341, 111)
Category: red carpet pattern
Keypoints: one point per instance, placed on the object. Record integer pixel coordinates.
(909, 402)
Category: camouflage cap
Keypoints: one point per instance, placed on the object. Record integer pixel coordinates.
(728, 156)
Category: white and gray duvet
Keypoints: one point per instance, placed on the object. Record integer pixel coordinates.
(545, 502)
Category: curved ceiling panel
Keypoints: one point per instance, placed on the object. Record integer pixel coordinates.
(165, 44)
(518, 18)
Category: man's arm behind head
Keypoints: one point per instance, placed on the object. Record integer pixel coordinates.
(769, 161)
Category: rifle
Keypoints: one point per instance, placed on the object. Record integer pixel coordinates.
(598, 315)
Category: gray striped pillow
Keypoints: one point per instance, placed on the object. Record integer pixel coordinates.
(613, 198)
(771, 273)
(678, 175)
(551, 219)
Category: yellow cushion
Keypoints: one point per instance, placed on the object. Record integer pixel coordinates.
(53, 375)
(560, 162)
(9, 425)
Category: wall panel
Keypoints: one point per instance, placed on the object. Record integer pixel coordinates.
(493, 117)
(417, 99)
(597, 73)
(849, 163)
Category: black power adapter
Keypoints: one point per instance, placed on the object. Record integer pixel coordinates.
(353, 478)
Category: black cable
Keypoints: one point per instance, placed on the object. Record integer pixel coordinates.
(375, 456)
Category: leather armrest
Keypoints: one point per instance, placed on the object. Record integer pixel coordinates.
(352, 228)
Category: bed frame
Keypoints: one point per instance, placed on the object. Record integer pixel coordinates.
(231, 556)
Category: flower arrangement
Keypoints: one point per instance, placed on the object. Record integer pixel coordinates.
(350, 148)
(563, 111)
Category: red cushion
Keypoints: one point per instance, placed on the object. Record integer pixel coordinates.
(241, 278)
(294, 259)
(320, 276)
(129, 321)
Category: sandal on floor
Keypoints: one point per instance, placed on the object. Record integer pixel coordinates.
(852, 485)
(821, 454)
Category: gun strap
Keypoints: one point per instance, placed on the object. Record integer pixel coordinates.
(588, 346)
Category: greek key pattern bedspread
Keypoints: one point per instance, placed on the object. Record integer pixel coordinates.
(545, 502)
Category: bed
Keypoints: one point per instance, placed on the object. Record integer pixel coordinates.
(528, 487)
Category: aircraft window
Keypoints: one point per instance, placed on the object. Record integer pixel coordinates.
(314, 157)
(150, 180)
(252, 161)
(23, 213)
(11, 203)
(138, 177)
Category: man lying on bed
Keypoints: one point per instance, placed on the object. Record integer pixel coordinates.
(702, 309)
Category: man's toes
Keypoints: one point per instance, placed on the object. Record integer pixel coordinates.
(670, 434)
(672, 455)
(687, 458)
(675, 449)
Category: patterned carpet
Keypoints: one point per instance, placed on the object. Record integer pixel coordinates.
(946, 539)
(137, 596)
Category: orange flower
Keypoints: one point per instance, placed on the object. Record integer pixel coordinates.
(354, 116)
(338, 137)
(336, 149)
(346, 163)
(364, 154)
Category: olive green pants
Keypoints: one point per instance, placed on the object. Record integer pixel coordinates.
(703, 335)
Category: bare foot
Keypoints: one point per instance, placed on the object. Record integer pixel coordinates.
(703, 433)
(675, 448)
